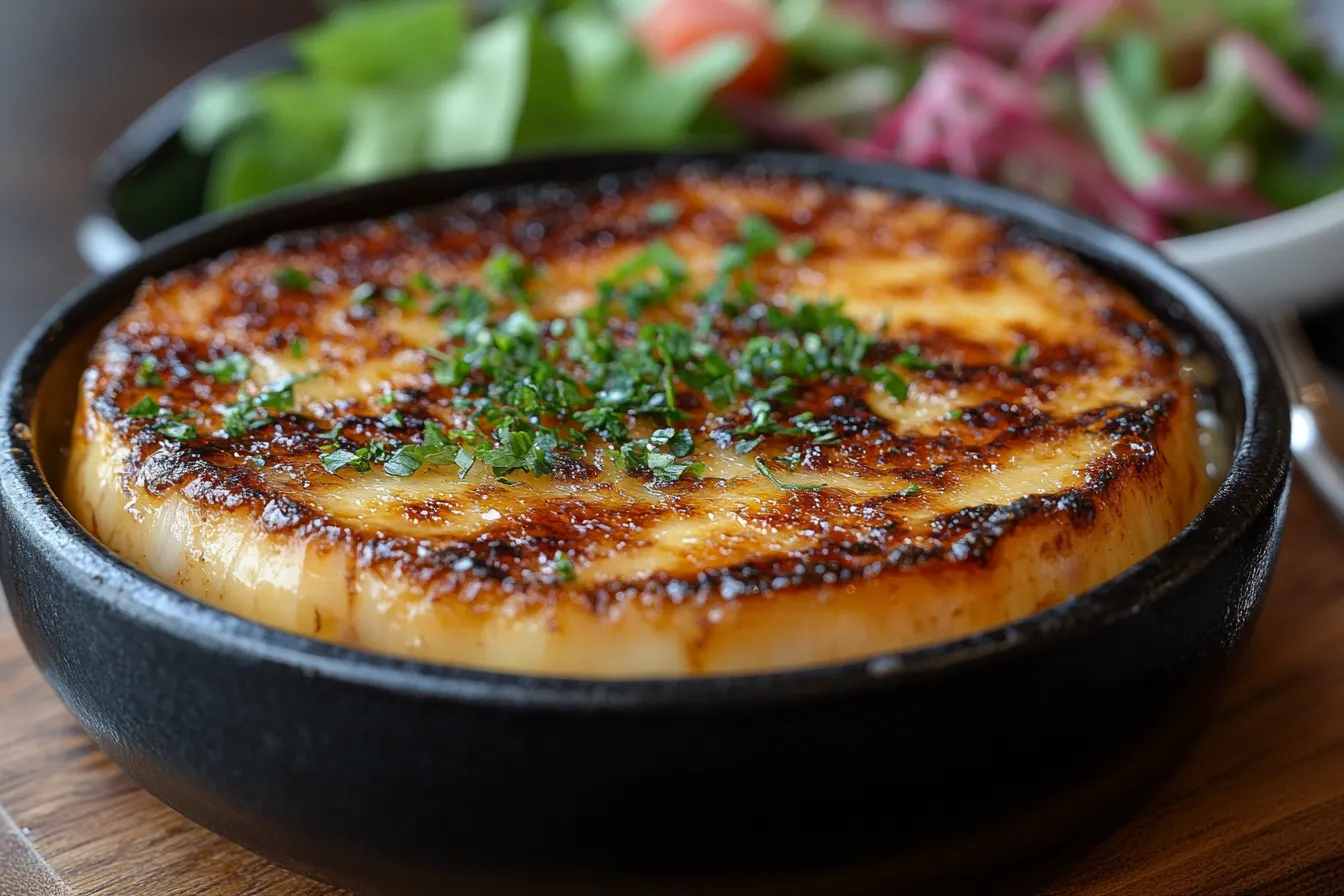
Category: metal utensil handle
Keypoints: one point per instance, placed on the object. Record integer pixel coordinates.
(1321, 466)
(1310, 397)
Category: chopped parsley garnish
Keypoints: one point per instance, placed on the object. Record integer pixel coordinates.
(232, 368)
(533, 393)
(564, 568)
(909, 491)
(651, 277)
(399, 297)
(293, 278)
(173, 426)
(787, 486)
(799, 249)
(147, 374)
(145, 407)
(437, 450)
(298, 348)
(912, 358)
(667, 468)
(423, 282)
(955, 414)
(758, 235)
(176, 429)
(891, 382)
(508, 273)
(1023, 355)
(339, 459)
(363, 294)
(664, 212)
(248, 412)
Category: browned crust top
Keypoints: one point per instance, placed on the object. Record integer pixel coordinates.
(1099, 341)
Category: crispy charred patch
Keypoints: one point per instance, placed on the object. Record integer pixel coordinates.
(1047, 387)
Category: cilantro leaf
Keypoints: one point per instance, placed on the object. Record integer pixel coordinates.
(664, 212)
(340, 459)
(912, 358)
(891, 382)
(508, 273)
(564, 568)
(232, 368)
(176, 429)
(147, 374)
(758, 235)
(145, 407)
(666, 468)
(403, 462)
(293, 278)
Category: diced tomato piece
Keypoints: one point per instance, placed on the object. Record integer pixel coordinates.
(674, 28)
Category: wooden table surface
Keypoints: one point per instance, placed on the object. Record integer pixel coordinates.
(1257, 807)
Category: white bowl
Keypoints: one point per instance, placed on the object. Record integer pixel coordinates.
(1294, 259)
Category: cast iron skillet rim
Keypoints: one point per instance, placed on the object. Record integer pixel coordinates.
(1260, 464)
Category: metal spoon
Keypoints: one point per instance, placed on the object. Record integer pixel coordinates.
(1310, 398)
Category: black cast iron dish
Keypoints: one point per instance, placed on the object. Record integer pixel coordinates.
(390, 776)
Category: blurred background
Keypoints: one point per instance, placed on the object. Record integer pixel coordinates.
(73, 75)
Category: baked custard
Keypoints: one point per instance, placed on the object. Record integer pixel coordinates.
(691, 424)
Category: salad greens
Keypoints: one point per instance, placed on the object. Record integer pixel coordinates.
(1162, 116)
(392, 87)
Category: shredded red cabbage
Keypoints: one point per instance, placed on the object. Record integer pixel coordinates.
(987, 106)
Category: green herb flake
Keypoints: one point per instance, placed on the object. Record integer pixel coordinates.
(341, 458)
(508, 273)
(298, 348)
(758, 235)
(664, 212)
(293, 278)
(176, 429)
(912, 358)
(258, 462)
(393, 420)
(760, 465)
(1024, 354)
(232, 368)
(666, 468)
(891, 382)
(955, 414)
(909, 491)
(399, 297)
(246, 413)
(798, 251)
(403, 462)
(564, 567)
(363, 294)
(144, 408)
(147, 374)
